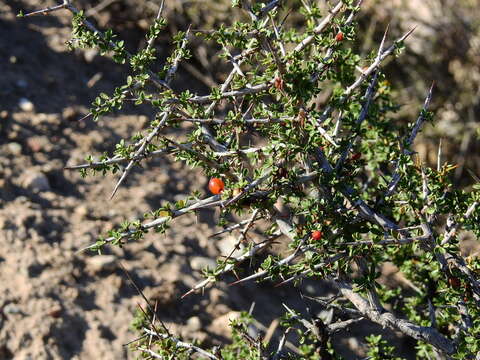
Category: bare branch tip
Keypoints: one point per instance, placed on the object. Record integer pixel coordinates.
(85, 117)
(235, 282)
(160, 10)
(189, 292)
(113, 192)
(409, 32)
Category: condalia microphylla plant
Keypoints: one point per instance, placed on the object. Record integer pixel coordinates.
(300, 136)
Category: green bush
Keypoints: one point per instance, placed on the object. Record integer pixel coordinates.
(300, 135)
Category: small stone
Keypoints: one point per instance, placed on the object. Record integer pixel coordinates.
(164, 295)
(26, 105)
(89, 55)
(99, 263)
(353, 343)
(42, 119)
(226, 246)
(143, 24)
(3, 114)
(200, 262)
(12, 309)
(112, 212)
(36, 181)
(216, 295)
(221, 325)
(37, 143)
(143, 120)
(81, 211)
(15, 148)
(194, 324)
(55, 311)
(69, 113)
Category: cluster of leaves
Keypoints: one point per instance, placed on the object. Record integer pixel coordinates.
(304, 122)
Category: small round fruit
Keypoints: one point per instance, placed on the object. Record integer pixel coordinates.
(356, 156)
(454, 282)
(317, 235)
(278, 83)
(339, 36)
(216, 186)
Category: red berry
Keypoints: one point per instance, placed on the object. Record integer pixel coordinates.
(278, 83)
(356, 156)
(339, 36)
(454, 282)
(317, 235)
(216, 185)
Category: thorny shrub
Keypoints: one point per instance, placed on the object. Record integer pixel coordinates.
(300, 135)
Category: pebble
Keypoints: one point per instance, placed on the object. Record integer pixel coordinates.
(227, 244)
(89, 55)
(15, 148)
(194, 323)
(39, 143)
(12, 309)
(200, 262)
(99, 263)
(221, 325)
(216, 295)
(82, 211)
(55, 311)
(143, 24)
(36, 181)
(69, 113)
(26, 105)
(46, 119)
(353, 343)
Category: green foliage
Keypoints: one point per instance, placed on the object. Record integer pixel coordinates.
(378, 349)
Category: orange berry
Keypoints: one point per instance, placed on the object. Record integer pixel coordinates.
(317, 235)
(216, 185)
(278, 83)
(339, 36)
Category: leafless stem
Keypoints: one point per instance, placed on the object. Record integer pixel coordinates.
(178, 343)
(387, 319)
(418, 124)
